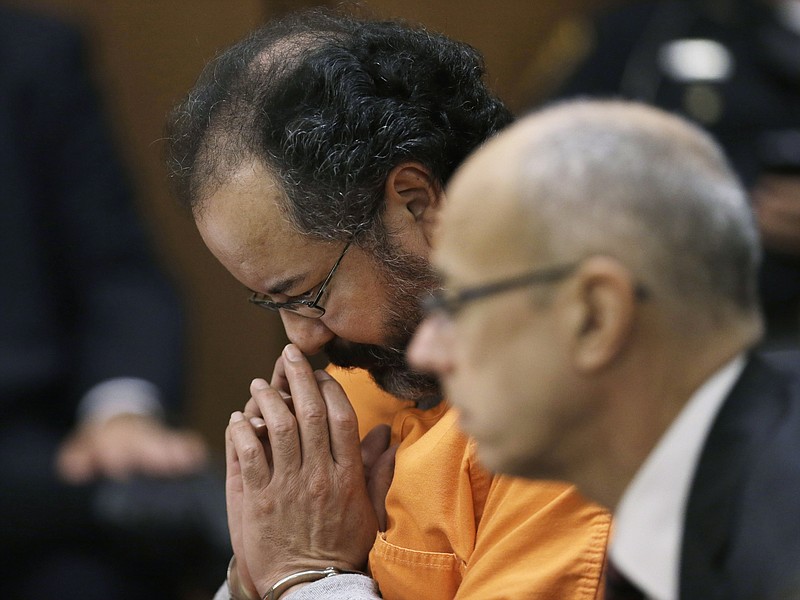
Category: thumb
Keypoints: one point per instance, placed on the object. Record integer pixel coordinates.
(380, 478)
(373, 445)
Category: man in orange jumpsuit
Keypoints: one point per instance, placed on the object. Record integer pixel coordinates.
(313, 157)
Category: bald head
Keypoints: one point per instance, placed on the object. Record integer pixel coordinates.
(622, 180)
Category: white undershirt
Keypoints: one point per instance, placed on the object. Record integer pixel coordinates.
(649, 518)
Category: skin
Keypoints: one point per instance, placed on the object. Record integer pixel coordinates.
(283, 487)
(127, 445)
(553, 383)
(243, 226)
(312, 482)
(777, 203)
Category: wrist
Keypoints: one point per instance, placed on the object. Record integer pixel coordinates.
(292, 590)
(299, 579)
(237, 591)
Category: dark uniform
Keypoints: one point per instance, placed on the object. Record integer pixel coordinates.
(81, 301)
(742, 82)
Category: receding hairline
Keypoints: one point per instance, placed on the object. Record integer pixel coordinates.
(280, 58)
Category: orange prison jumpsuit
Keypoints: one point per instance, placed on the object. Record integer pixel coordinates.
(456, 531)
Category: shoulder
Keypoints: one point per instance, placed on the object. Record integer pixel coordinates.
(30, 31)
(748, 480)
(786, 361)
(33, 43)
(373, 406)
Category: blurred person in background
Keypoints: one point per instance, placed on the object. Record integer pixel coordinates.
(732, 66)
(100, 497)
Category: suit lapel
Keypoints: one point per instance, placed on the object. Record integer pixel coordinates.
(745, 418)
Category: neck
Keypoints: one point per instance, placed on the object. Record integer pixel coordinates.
(640, 399)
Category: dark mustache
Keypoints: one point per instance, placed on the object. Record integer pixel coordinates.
(364, 356)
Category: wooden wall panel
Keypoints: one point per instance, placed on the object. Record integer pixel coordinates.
(509, 33)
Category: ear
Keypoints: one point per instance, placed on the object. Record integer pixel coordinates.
(413, 199)
(602, 314)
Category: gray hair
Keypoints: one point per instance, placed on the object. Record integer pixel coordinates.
(330, 104)
(652, 190)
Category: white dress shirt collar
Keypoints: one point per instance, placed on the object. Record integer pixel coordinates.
(649, 519)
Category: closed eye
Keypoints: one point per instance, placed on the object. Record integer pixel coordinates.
(307, 294)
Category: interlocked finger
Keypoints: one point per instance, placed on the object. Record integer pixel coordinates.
(284, 441)
(309, 406)
(250, 456)
(342, 423)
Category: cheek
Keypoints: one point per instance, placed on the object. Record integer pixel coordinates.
(492, 355)
(514, 396)
(356, 304)
(356, 323)
(520, 426)
(485, 379)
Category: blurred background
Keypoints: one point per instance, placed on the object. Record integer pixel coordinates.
(731, 65)
(145, 54)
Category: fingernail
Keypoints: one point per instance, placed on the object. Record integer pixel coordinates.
(258, 384)
(236, 416)
(321, 375)
(292, 353)
(260, 427)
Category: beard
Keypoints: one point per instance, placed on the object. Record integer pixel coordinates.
(407, 279)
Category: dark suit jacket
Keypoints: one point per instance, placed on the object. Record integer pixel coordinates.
(81, 298)
(742, 535)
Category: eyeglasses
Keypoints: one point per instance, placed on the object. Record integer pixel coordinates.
(305, 308)
(450, 303)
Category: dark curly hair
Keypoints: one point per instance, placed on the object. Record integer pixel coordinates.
(330, 104)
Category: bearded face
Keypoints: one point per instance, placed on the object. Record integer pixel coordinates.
(407, 278)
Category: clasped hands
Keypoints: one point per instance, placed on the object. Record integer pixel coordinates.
(303, 491)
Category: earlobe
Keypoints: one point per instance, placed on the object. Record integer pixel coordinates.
(605, 312)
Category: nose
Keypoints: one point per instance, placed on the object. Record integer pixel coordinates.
(310, 335)
(431, 348)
